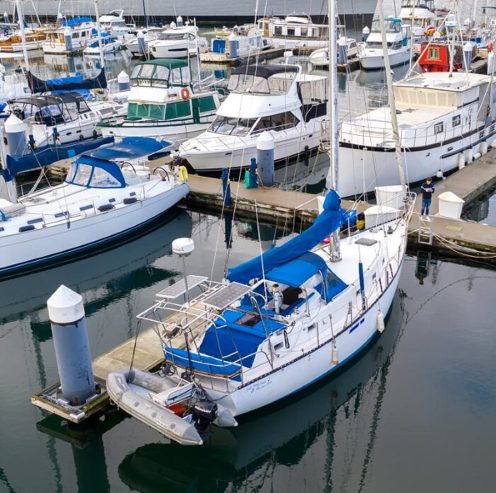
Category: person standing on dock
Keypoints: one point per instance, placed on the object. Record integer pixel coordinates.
(427, 191)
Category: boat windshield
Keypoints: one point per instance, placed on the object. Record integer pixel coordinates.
(86, 174)
(390, 25)
(232, 126)
(247, 83)
(173, 36)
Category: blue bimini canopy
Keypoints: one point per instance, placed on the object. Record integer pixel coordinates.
(129, 148)
(91, 172)
(327, 222)
(296, 272)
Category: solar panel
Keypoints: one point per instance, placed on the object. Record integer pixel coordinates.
(179, 288)
(226, 295)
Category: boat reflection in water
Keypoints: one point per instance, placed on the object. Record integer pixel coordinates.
(282, 435)
(101, 278)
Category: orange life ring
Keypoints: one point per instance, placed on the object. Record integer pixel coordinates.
(430, 31)
(185, 93)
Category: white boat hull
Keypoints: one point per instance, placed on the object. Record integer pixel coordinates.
(288, 144)
(361, 170)
(313, 366)
(373, 60)
(175, 134)
(43, 244)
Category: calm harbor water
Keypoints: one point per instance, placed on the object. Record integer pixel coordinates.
(414, 413)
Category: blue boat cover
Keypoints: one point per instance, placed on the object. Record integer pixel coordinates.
(109, 166)
(295, 272)
(72, 83)
(46, 155)
(75, 21)
(129, 148)
(327, 222)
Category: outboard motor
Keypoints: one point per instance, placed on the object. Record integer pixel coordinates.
(204, 412)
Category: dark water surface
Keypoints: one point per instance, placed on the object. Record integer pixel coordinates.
(415, 413)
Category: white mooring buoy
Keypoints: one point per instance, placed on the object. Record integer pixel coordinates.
(72, 348)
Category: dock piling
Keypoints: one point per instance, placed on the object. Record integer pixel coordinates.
(72, 348)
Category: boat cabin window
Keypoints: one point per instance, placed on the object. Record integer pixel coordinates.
(456, 120)
(396, 45)
(174, 36)
(275, 84)
(278, 122)
(438, 128)
(278, 30)
(232, 126)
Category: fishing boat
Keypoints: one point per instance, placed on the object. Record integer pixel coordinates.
(108, 194)
(445, 119)
(164, 101)
(371, 55)
(70, 37)
(275, 325)
(177, 42)
(277, 99)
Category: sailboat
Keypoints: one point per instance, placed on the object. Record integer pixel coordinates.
(277, 323)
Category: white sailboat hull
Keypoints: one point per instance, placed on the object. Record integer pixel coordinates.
(313, 366)
(43, 244)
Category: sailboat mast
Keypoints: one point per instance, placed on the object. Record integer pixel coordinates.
(20, 16)
(332, 177)
(99, 34)
(392, 106)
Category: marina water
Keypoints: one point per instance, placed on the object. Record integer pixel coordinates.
(415, 412)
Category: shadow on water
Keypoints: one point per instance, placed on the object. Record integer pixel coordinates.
(113, 273)
(278, 435)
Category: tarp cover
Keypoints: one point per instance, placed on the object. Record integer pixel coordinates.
(44, 156)
(129, 148)
(327, 222)
(72, 83)
(297, 271)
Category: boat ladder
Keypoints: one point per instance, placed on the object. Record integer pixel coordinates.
(425, 232)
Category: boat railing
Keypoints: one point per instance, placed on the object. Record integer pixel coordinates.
(379, 133)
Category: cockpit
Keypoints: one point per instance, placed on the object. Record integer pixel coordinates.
(89, 172)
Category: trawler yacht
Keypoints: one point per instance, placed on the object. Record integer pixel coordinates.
(278, 99)
(164, 101)
(445, 119)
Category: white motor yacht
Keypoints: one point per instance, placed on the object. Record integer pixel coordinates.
(177, 42)
(371, 55)
(277, 99)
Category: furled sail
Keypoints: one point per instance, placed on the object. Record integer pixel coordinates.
(328, 221)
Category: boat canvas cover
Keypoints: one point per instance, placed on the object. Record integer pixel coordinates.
(129, 148)
(72, 83)
(46, 155)
(297, 271)
(325, 224)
